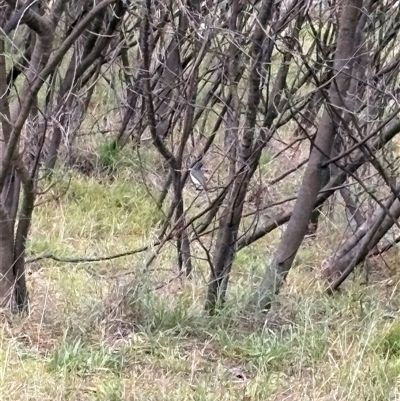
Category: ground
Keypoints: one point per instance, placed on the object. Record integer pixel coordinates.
(113, 330)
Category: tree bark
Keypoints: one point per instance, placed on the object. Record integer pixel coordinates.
(357, 247)
(7, 279)
(277, 271)
(225, 247)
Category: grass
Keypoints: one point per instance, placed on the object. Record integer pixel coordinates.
(104, 332)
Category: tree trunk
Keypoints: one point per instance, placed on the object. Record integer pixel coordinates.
(276, 273)
(225, 247)
(41, 66)
(9, 194)
(268, 224)
(7, 280)
(355, 249)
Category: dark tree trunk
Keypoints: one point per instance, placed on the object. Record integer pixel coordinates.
(7, 279)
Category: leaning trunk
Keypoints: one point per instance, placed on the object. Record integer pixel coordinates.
(276, 273)
(356, 248)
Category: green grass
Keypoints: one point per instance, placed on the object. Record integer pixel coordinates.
(113, 331)
(93, 216)
(330, 347)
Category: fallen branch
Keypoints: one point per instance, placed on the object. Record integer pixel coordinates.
(87, 259)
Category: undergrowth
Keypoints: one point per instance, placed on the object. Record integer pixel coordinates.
(113, 330)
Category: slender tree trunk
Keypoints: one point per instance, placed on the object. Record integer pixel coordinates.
(24, 222)
(183, 245)
(7, 280)
(277, 271)
(225, 248)
(352, 207)
(9, 195)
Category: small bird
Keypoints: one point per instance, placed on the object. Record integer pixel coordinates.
(197, 176)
